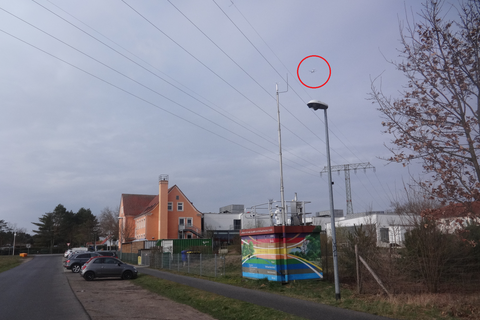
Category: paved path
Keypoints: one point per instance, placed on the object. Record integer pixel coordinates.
(38, 289)
(301, 308)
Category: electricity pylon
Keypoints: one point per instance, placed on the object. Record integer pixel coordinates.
(347, 168)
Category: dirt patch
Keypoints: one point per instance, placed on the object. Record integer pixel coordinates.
(120, 299)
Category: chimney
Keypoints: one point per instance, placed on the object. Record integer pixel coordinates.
(163, 206)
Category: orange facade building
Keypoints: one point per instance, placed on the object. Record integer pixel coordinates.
(168, 215)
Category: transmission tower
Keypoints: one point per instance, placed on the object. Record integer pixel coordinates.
(347, 168)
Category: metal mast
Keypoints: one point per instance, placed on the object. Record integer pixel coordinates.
(284, 215)
(346, 168)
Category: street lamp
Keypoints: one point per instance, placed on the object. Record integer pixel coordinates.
(315, 105)
(14, 235)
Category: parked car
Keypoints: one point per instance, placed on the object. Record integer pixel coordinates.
(108, 253)
(67, 253)
(76, 261)
(103, 267)
(75, 250)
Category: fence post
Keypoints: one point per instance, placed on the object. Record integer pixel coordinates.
(200, 264)
(357, 265)
(374, 276)
(178, 262)
(215, 265)
(326, 258)
(188, 263)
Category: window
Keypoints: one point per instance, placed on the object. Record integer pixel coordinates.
(189, 222)
(237, 224)
(189, 236)
(179, 206)
(384, 235)
(170, 206)
(181, 221)
(177, 197)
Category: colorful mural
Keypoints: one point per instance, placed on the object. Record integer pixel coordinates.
(263, 253)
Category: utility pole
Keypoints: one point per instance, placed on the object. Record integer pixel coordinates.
(346, 168)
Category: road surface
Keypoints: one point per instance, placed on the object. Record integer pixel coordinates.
(38, 289)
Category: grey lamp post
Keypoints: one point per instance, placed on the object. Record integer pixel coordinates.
(14, 236)
(315, 105)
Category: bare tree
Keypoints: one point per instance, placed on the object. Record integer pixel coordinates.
(428, 250)
(108, 221)
(126, 230)
(436, 119)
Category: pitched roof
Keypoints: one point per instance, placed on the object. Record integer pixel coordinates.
(100, 242)
(135, 204)
(150, 206)
(175, 186)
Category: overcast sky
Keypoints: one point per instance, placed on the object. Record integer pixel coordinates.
(98, 98)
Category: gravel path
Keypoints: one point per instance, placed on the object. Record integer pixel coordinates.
(118, 299)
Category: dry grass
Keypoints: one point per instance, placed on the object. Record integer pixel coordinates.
(448, 304)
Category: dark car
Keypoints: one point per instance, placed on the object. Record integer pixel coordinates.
(76, 261)
(105, 267)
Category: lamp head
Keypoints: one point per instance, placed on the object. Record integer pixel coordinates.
(316, 104)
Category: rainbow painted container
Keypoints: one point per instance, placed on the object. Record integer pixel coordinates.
(264, 254)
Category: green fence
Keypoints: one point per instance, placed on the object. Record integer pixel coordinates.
(131, 258)
(208, 265)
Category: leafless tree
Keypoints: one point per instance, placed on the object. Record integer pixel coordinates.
(126, 230)
(436, 119)
(108, 221)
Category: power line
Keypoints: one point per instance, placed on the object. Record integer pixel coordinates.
(183, 91)
(216, 74)
(280, 76)
(142, 99)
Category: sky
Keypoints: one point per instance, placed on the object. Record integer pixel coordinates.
(99, 98)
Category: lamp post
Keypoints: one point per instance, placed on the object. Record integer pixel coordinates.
(14, 235)
(315, 105)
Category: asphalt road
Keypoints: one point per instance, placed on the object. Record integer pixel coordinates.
(38, 289)
(301, 308)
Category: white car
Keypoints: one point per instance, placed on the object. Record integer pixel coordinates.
(67, 253)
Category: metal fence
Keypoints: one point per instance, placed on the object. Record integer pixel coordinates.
(131, 258)
(208, 265)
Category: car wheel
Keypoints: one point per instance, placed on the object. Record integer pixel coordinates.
(89, 276)
(127, 275)
(76, 268)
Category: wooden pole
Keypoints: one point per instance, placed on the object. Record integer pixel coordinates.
(374, 276)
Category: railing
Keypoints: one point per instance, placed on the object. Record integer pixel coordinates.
(208, 265)
(190, 228)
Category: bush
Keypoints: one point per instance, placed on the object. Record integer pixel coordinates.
(429, 252)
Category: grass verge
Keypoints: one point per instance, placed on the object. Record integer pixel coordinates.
(317, 291)
(9, 262)
(217, 306)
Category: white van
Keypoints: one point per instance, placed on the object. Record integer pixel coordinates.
(77, 250)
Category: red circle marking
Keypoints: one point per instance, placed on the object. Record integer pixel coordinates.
(329, 71)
